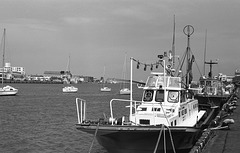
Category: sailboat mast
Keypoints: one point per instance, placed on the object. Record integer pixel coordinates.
(124, 69)
(3, 40)
(68, 64)
(4, 35)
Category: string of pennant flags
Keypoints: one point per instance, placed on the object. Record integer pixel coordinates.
(155, 64)
(145, 65)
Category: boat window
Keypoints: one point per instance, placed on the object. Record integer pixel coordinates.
(148, 95)
(173, 96)
(151, 82)
(183, 96)
(146, 122)
(143, 109)
(159, 96)
(208, 83)
(156, 109)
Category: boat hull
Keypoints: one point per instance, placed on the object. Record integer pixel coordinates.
(69, 90)
(105, 89)
(8, 91)
(125, 92)
(135, 139)
(211, 100)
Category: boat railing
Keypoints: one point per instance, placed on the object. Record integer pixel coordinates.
(82, 112)
(133, 104)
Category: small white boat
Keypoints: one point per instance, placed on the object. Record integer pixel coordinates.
(70, 89)
(105, 89)
(125, 91)
(8, 91)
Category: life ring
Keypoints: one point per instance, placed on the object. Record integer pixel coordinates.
(148, 96)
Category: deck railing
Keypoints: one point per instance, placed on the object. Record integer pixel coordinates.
(82, 113)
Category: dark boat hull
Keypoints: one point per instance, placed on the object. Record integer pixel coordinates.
(142, 139)
(211, 100)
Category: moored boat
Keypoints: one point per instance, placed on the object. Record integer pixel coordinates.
(105, 89)
(123, 89)
(70, 89)
(166, 119)
(6, 90)
(213, 90)
(165, 108)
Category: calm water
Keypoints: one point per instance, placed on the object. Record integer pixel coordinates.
(42, 119)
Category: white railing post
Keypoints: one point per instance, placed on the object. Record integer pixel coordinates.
(78, 111)
(81, 113)
(131, 98)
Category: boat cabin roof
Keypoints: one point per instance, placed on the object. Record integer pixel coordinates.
(157, 81)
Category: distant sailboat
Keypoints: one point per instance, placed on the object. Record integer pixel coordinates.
(105, 88)
(6, 90)
(124, 90)
(69, 89)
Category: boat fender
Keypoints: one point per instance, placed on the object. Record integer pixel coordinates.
(112, 120)
(119, 121)
(226, 123)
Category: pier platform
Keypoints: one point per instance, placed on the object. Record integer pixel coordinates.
(226, 141)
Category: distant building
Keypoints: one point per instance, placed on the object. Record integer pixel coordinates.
(12, 72)
(60, 74)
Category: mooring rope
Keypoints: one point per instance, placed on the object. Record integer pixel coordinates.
(170, 133)
(159, 137)
(93, 138)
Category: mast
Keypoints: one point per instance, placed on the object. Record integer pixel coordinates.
(3, 40)
(210, 64)
(173, 44)
(188, 31)
(68, 64)
(205, 49)
(124, 69)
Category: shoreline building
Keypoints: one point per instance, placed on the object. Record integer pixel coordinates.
(12, 73)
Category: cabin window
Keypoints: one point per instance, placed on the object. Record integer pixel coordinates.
(148, 95)
(173, 96)
(183, 96)
(146, 122)
(156, 109)
(175, 122)
(143, 109)
(208, 83)
(151, 82)
(159, 96)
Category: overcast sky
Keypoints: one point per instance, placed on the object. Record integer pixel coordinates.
(41, 34)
